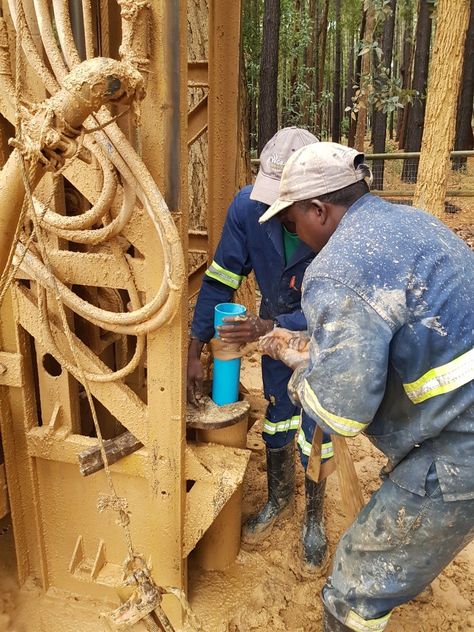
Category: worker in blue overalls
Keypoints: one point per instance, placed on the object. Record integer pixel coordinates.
(279, 260)
(389, 304)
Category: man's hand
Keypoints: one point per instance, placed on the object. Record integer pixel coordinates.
(242, 329)
(195, 373)
(290, 347)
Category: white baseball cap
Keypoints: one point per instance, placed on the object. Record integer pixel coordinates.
(273, 158)
(315, 170)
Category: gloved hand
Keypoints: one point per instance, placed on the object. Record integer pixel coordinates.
(194, 372)
(242, 329)
(290, 347)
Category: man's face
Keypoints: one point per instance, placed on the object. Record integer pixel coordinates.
(311, 224)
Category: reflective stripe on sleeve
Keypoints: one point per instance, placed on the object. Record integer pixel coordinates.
(442, 379)
(356, 622)
(326, 448)
(217, 272)
(340, 425)
(272, 427)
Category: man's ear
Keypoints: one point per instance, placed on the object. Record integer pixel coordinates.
(320, 209)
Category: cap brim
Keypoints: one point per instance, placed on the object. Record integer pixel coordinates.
(274, 209)
(265, 189)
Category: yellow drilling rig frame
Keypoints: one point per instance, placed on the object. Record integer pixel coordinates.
(95, 251)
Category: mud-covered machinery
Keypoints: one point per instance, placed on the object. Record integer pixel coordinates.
(95, 133)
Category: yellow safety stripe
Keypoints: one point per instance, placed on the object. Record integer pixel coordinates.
(356, 622)
(442, 379)
(217, 272)
(341, 425)
(326, 448)
(272, 427)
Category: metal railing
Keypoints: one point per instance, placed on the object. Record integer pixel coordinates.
(395, 174)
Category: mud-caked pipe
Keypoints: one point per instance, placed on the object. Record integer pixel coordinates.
(57, 122)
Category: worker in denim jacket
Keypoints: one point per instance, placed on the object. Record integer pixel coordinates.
(389, 304)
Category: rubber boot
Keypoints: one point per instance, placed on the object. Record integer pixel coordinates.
(281, 489)
(313, 535)
(331, 624)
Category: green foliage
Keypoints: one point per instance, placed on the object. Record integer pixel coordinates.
(298, 102)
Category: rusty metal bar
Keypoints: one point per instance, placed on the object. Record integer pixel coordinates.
(195, 279)
(198, 241)
(197, 120)
(224, 43)
(393, 193)
(198, 74)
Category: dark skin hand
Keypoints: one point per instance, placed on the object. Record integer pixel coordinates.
(243, 329)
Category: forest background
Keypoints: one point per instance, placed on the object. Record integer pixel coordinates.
(350, 71)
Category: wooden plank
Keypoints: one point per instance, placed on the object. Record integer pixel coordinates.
(43, 444)
(90, 460)
(4, 504)
(349, 487)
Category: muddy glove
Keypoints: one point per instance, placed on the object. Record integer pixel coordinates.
(290, 347)
(243, 329)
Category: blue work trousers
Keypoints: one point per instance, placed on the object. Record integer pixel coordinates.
(283, 419)
(395, 548)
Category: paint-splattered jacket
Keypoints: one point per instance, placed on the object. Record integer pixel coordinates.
(246, 245)
(390, 308)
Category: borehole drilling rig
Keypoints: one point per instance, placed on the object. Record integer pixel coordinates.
(100, 109)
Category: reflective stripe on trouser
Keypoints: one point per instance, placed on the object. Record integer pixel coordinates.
(217, 272)
(304, 441)
(389, 554)
(282, 416)
(442, 379)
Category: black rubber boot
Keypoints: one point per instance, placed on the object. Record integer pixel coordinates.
(331, 624)
(313, 535)
(281, 489)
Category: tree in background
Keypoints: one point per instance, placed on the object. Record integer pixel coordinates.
(464, 135)
(416, 112)
(383, 71)
(267, 99)
(443, 90)
(337, 83)
(406, 62)
(331, 51)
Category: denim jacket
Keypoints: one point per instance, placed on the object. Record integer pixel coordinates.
(389, 303)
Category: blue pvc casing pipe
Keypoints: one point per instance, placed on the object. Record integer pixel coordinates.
(225, 384)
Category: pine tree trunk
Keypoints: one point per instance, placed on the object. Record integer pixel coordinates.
(267, 100)
(464, 135)
(358, 75)
(416, 113)
(336, 104)
(405, 74)
(359, 140)
(323, 30)
(443, 91)
(380, 117)
(310, 62)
